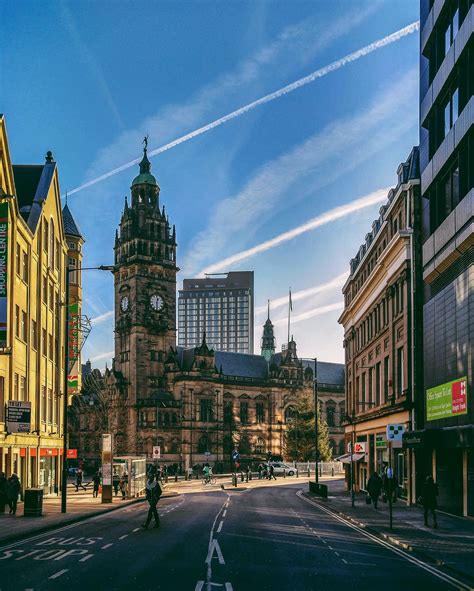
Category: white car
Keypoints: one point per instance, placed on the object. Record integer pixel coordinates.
(280, 468)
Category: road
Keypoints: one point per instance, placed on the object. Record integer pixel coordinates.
(263, 538)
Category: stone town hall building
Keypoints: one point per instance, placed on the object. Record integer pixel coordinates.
(196, 404)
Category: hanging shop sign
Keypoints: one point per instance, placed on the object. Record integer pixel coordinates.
(447, 400)
(3, 273)
(18, 416)
(74, 321)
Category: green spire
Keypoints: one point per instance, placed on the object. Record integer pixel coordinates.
(145, 176)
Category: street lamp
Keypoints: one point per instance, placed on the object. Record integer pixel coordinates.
(315, 388)
(66, 372)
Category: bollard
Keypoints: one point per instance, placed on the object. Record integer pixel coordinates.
(186, 475)
(250, 475)
(176, 477)
(166, 479)
(309, 473)
(297, 473)
(332, 471)
(247, 477)
(241, 477)
(197, 476)
(284, 473)
(234, 479)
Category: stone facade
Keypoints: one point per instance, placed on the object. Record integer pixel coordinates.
(197, 404)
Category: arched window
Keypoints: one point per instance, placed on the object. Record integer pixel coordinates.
(260, 446)
(330, 415)
(51, 244)
(290, 413)
(342, 412)
(203, 444)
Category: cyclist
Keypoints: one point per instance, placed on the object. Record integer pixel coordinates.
(207, 473)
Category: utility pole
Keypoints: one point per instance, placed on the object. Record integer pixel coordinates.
(315, 387)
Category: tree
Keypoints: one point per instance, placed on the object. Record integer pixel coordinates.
(300, 434)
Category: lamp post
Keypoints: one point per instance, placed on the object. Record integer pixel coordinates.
(315, 388)
(66, 372)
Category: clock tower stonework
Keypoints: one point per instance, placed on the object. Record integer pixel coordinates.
(145, 294)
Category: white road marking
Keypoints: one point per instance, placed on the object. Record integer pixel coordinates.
(86, 558)
(106, 546)
(428, 568)
(214, 547)
(220, 527)
(59, 573)
(228, 587)
(224, 513)
(136, 529)
(199, 586)
(123, 537)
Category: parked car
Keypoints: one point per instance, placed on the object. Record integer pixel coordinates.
(280, 468)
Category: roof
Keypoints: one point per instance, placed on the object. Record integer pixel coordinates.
(332, 374)
(70, 226)
(232, 364)
(27, 178)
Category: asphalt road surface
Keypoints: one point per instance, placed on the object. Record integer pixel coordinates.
(264, 538)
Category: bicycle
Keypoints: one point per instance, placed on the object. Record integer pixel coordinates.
(209, 480)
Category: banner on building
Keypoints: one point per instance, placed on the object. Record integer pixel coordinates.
(447, 400)
(74, 347)
(18, 416)
(3, 273)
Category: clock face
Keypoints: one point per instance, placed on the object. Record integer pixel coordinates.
(156, 302)
(124, 303)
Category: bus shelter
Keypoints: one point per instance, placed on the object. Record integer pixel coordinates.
(133, 470)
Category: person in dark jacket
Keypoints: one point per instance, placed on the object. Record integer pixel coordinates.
(115, 482)
(96, 483)
(3, 492)
(79, 477)
(271, 472)
(153, 494)
(374, 488)
(429, 494)
(13, 490)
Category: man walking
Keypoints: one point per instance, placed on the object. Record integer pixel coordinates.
(13, 489)
(96, 484)
(271, 472)
(79, 476)
(429, 494)
(374, 487)
(153, 494)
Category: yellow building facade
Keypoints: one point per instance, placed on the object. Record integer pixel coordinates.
(32, 317)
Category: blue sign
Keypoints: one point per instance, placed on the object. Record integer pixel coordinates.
(235, 455)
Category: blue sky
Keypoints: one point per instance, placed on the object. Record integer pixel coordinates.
(87, 80)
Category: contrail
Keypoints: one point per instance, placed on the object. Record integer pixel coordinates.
(351, 57)
(320, 220)
(304, 293)
(311, 313)
(102, 318)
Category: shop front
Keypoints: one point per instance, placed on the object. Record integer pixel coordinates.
(49, 473)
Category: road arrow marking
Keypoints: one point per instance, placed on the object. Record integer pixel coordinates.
(214, 546)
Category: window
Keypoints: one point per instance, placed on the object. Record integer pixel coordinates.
(400, 384)
(24, 267)
(203, 445)
(24, 326)
(18, 258)
(2, 399)
(45, 235)
(244, 412)
(22, 388)
(227, 412)
(51, 244)
(72, 265)
(371, 386)
(207, 412)
(45, 291)
(386, 377)
(34, 334)
(451, 30)
(260, 446)
(377, 385)
(330, 415)
(44, 342)
(15, 386)
(260, 412)
(290, 414)
(363, 392)
(451, 110)
(17, 321)
(57, 256)
(50, 350)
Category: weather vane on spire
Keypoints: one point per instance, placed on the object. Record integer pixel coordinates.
(145, 141)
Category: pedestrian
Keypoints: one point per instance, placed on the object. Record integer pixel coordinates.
(260, 470)
(3, 492)
(428, 499)
(271, 472)
(79, 477)
(96, 483)
(123, 487)
(153, 494)
(374, 488)
(115, 482)
(13, 490)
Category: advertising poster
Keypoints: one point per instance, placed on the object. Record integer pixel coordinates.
(3, 272)
(447, 400)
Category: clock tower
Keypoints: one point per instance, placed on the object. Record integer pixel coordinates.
(145, 288)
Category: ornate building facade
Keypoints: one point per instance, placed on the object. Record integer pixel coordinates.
(196, 404)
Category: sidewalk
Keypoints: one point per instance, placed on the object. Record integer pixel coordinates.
(450, 545)
(80, 505)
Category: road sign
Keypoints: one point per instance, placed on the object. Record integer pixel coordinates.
(359, 447)
(18, 416)
(156, 452)
(395, 434)
(235, 455)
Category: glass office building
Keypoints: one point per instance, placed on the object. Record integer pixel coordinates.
(222, 307)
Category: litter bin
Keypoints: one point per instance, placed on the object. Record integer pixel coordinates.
(33, 502)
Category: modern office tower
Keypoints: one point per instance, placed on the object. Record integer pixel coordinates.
(222, 307)
(445, 412)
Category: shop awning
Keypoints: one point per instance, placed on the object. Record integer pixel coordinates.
(346, 458)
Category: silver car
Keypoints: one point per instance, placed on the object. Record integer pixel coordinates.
(280, 468)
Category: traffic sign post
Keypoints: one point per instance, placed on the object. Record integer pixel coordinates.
(156, 452)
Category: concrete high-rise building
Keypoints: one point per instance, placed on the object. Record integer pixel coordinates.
(444, 436)
(220, 306)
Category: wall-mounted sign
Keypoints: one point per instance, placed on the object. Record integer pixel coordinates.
(359, 447)
(156, 452)
(447, 400)
(3, 273)
(380, 440)
(18, 416)
(74, 321)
